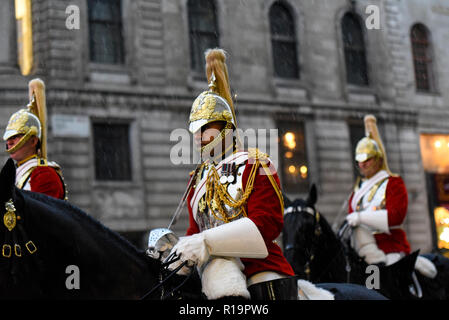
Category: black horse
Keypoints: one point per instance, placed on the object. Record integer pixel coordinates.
(51, 249)
(54, 250)
(317, 254)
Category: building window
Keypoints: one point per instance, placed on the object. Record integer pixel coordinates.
(112, 151)
(283, 41)
(203, 31)
(105, 31)
(354, 50)
(294, 167)
(422, 61)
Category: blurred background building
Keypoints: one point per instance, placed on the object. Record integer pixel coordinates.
(121, 76)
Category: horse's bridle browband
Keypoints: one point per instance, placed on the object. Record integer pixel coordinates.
(299, 209)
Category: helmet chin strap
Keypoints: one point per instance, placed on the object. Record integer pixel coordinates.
(23, 140)
(205, 150)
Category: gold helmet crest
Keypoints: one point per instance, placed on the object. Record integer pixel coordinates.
(30, 121)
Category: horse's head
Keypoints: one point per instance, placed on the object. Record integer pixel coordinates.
(41, 238)
(310, 245)
(301, 230)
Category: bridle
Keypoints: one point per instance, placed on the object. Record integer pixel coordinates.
(317, 231)
(316, 234)
(162, 280)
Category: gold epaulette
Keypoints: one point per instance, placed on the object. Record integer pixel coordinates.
(262, 158)
(256, 154)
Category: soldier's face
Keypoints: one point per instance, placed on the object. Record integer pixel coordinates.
(27, 150)
(208, 133)
(370, 167)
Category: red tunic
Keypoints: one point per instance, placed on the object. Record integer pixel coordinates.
(396, 202)
(264, 209)
(45, 179)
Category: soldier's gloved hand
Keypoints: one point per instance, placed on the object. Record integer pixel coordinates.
(353, 219)
(184, 271)
(192, 249)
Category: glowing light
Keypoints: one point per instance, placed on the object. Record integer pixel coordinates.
(289, 154)
(441, 215)
(445, 235)
(292, 169)
(435, 152)
(290, 140)
(303, 170)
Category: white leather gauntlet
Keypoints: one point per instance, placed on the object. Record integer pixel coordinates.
(240, 238)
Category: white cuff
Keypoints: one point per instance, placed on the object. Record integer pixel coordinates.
(239, 238)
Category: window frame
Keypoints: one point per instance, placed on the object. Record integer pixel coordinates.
(129, 177)
(195, 52)
(285, 125)
(360, 49)
(428, 57)
(117, 23)
(291, 40)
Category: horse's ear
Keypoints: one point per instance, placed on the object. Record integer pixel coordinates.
(7, 180)
(311, 199)
(287, 201)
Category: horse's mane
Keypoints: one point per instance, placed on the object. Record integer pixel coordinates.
(59, 207)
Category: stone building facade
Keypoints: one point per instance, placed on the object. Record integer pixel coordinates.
(148, 94)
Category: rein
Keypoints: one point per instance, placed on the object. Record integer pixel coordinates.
(316, 234)
(170, 259)
(343, 248)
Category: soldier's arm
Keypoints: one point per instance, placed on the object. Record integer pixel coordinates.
(396, 201)
(263, 206)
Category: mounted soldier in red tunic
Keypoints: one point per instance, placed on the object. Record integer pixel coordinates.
(26, 143)
(235, 204)
(378, 206)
